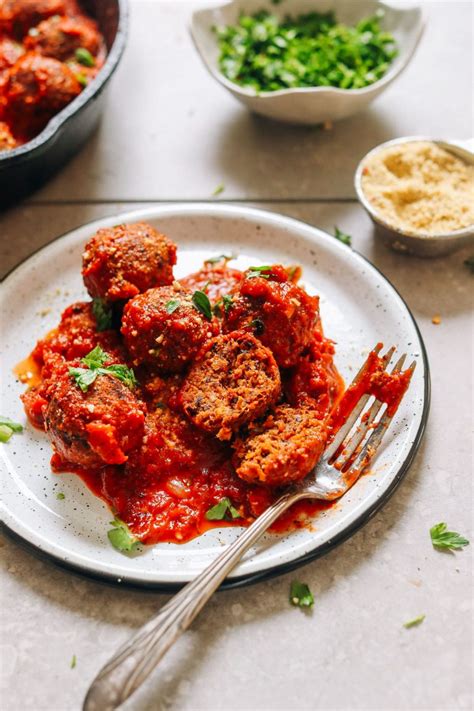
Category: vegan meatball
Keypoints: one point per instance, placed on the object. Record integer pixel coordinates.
(35, 89)
(77, 334)
(59, 37)
(164, 328)
(234, 381)
(10, 52)
(7, 140)
(123, 261)
(282, 449)
(17, 16)
(97, 427)
(280, 313)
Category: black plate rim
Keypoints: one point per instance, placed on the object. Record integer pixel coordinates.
(251, 578)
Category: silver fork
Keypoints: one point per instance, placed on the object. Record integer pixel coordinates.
(339, 468)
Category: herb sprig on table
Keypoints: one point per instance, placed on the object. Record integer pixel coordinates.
(263, 53)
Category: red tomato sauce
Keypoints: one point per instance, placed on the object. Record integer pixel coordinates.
(165, 489)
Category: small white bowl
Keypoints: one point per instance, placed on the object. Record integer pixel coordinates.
(417, 244)
(309, 105)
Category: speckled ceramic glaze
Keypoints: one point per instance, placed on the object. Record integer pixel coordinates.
(359, 308)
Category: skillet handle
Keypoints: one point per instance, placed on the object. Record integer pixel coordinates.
(132, 664)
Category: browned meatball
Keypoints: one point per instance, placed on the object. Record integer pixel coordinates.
(280, 313)
(35, 89)
(96, 427)
(59, 37)
(164, 328)
(7, 140)
(17, 16)
(282, 449)
(10, 51)
(235, 380)
(123, 261)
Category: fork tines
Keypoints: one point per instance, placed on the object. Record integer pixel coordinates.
(352, 454)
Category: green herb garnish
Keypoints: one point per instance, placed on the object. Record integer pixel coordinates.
(8, 427)
(469, 263)
(258, 272)
(447, 540)
(172, 305)
(84, 57)
(258, 326)
(413, 623)
(301, 595)
(202, 303)
(103, 314)
(342, 236)
(73, 661)
(121, 538)
(263, 53)
(95, 360)
(218, 189)
(224, 510)
(224, 303)
(60, 496)
(82, 79)
(220, 258)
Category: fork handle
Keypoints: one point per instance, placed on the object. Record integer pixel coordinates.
(136, 659)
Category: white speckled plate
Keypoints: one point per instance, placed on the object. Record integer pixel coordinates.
(359, 308)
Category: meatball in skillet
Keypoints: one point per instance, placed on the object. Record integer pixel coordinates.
(235, 380)
(59, 37)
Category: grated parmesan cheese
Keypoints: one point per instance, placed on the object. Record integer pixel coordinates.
(420, 188)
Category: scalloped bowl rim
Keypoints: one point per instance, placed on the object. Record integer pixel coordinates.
(95, 87)
(395, 69)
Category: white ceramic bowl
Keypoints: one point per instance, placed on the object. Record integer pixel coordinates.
(309, 105)
(417, 244)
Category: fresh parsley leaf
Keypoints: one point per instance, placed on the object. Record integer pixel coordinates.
(82, 79)
(83, 377)
(258, 326)
(218, 189)
(60, 496)
(96, 358)
(172, 305)
(84, 57)
(301, 595)
(122, 372)
(103, 314)
(342, 236)
(227, 301)
(469, 263)
(253, 272)
(5, 433)
(414, 623)
(73, 661)
(121, 538)
(220, 258)
(202, 303)
(447, 540)
(14, 426)
(224, 510)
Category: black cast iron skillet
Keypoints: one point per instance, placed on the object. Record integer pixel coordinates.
(25, 168)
